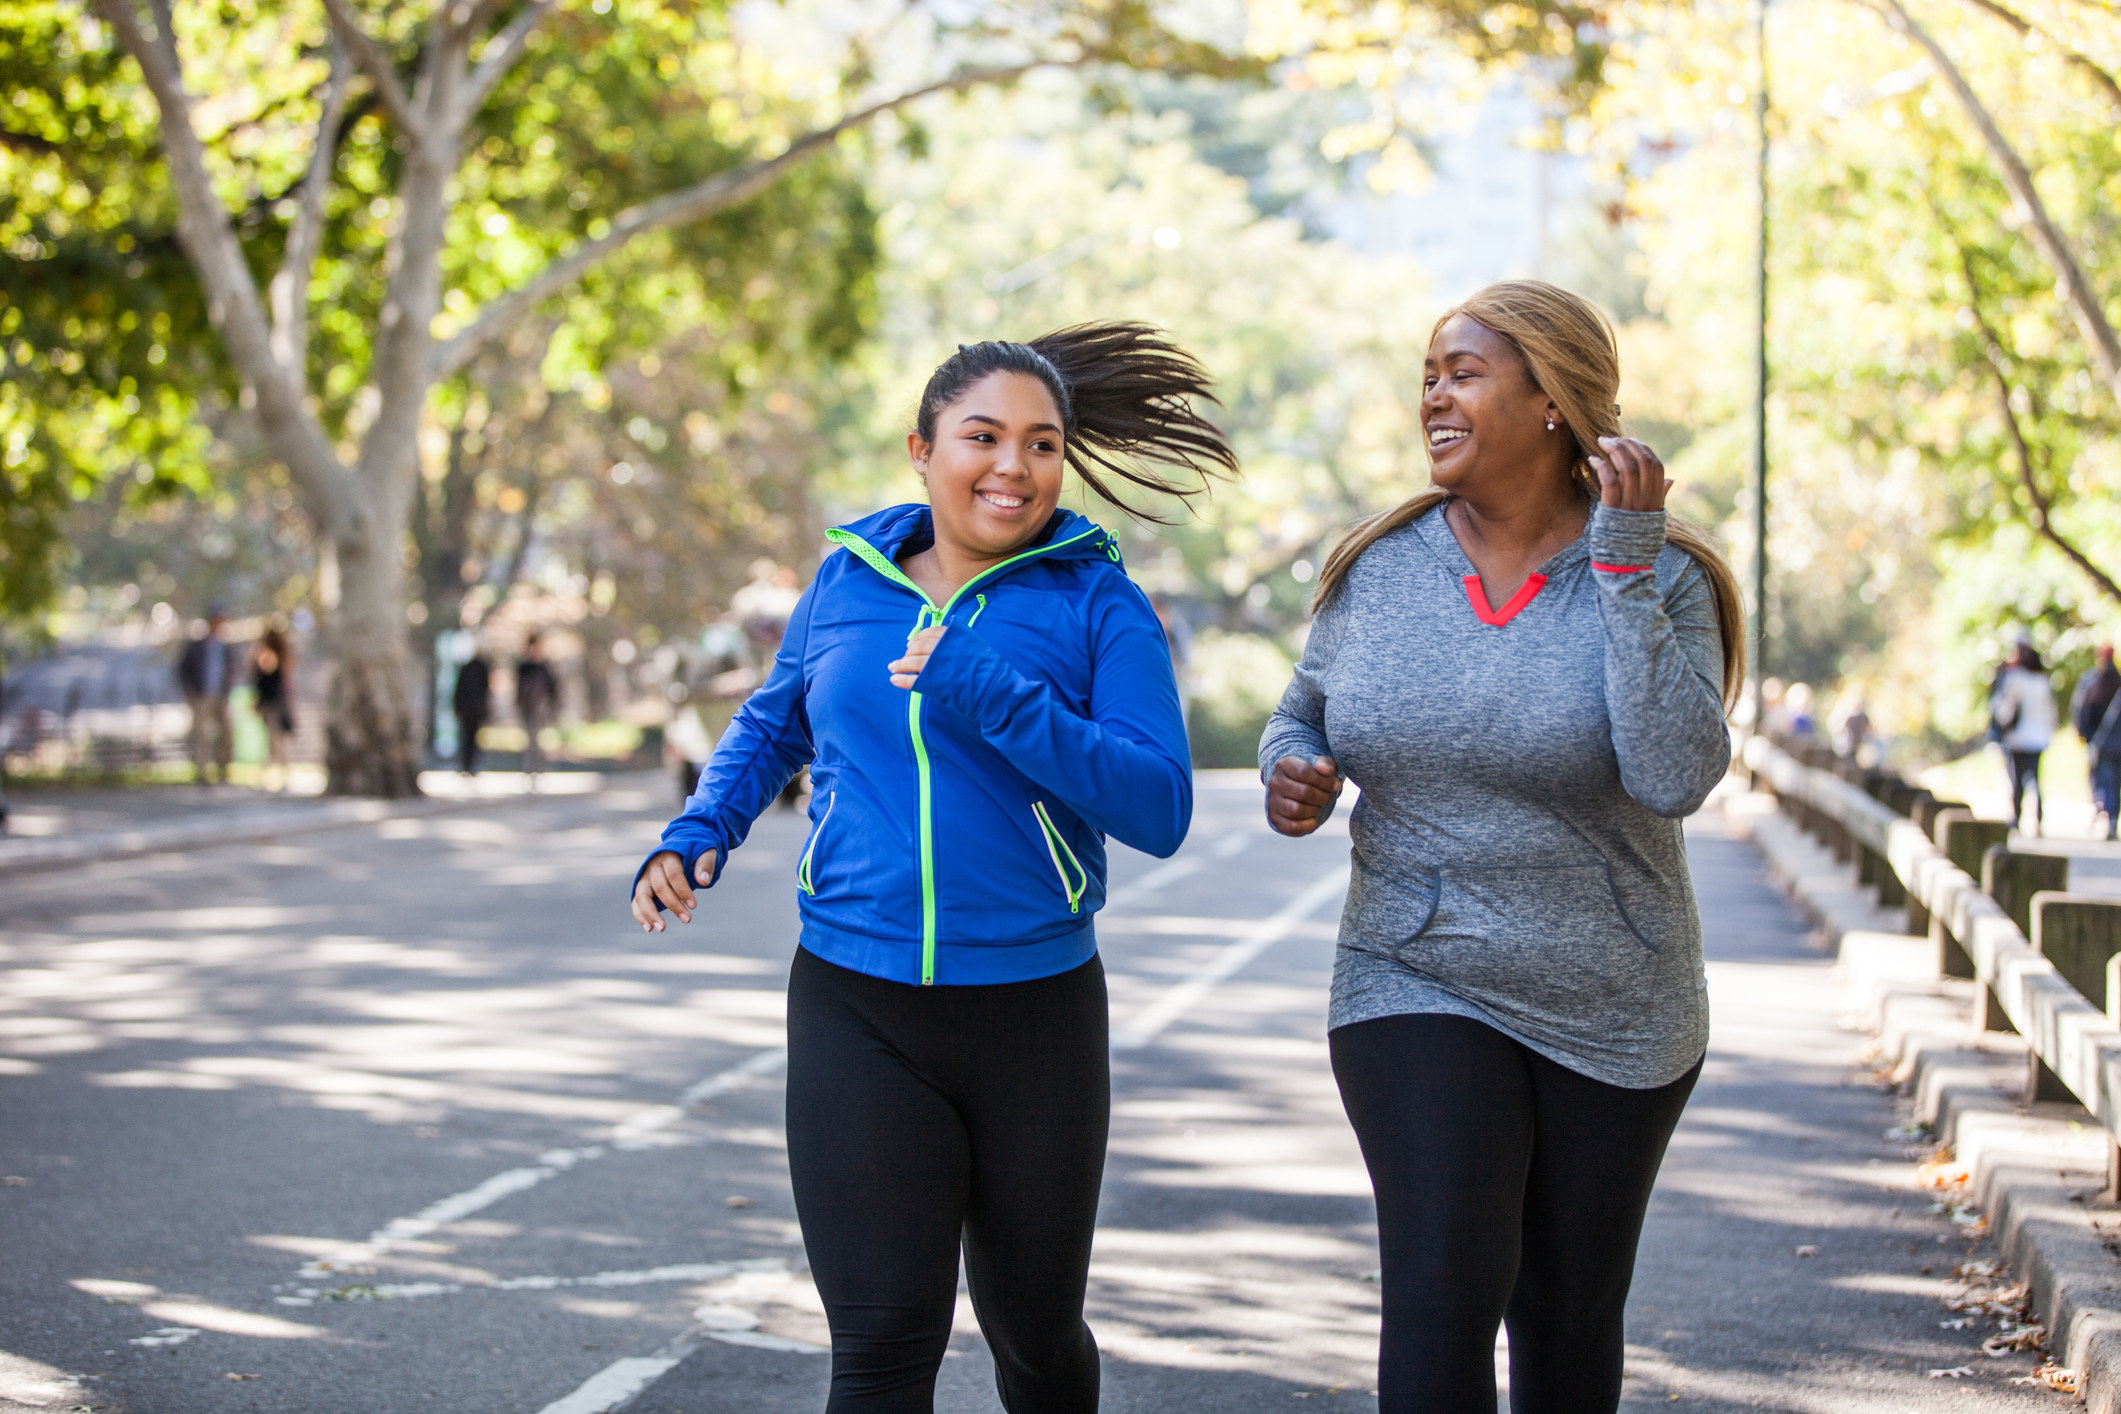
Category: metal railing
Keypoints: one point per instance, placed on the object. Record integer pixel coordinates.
(1984, 908)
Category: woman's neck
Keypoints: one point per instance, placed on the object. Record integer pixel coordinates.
(942, 568)
(1507, 538)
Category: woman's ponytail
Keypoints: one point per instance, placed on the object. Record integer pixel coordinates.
(1125, 394)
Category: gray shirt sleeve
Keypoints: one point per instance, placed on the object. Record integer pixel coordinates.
(1298, 726)
(1663, 663)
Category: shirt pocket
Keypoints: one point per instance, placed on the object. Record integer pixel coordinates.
(1557, 932)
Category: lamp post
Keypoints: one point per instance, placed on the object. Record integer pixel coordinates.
(1758, 647)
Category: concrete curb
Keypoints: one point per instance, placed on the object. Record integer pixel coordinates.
(2035, 1170)
(239, 826)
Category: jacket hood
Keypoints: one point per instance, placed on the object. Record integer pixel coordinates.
(1075, 537)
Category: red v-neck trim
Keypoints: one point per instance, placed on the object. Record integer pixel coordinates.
(1478, 598)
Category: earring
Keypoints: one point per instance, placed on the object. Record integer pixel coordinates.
(1550, 424)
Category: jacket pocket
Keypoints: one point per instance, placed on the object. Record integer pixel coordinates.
(803, 878)
(1065, 864)
(1552, 934)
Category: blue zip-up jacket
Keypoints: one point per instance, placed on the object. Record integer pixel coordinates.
(957, 832)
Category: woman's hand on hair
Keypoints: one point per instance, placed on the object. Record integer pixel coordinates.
(907, 669)
(1299, 791)
(1630, 478)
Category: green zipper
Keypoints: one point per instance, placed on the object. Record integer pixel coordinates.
(883, 565)
(1057, 848)
(802, 873)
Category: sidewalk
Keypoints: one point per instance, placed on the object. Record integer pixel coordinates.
(56, 828)
(2029, 1174)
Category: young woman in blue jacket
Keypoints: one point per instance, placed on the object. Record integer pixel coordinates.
(982, 696)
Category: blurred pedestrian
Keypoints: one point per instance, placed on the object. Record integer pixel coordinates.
(205, 673)
(273, 682)
(471, 702)
(763, 607)
(2094, 712)
(537, 699)
(2023, 716)
(949, 1065)
(1526, 669)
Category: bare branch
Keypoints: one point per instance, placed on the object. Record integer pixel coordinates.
(232, 302)
(289, 291)
(375, 64)
(28, 144)
(500, 56)
(2082, 61)
(2072, 283)
(693, 203)
(1998, 360)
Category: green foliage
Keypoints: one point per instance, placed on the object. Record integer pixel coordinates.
(1901, 539)
(103, 346)
(1236, 680)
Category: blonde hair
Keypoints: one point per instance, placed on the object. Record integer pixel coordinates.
(1570, 354)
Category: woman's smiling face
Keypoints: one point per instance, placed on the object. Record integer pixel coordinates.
(1481, 414)
(994, 468)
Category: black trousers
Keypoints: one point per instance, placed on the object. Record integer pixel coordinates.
(2025, 779)
(922, 1120)
(1510, 1190)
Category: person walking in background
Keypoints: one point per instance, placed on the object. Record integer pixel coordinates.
(1526, 668)
(537, 699)
(949, 1075)
(205, 673)
(2092, 710)
(2023, 713)
(273, 683)
(471, 701)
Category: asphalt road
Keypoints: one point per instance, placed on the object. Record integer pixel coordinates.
(405, 1117)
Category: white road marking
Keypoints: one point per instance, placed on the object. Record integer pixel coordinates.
(168, 1335)
(1151, 1021)
(682, 1271)
(633, 1133)
(1172, 870)
(613, 1385)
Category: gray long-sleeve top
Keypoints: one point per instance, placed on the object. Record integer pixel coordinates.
(1517, 848)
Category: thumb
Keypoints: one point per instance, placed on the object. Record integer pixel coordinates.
(703, 872)
(1327, 764)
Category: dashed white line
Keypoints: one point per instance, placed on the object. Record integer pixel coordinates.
(613, 1385)
(633, 1133)
(1152, 1020)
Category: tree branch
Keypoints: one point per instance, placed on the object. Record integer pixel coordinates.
(372, 61)
(2073, 285)
(500, 56)
(693, 203)
(232, 301)
(28, 143)
(2084, 63)
(289, 291)
(1998, 360)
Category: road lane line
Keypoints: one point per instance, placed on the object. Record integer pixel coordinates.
(1151, 1021)
(632, 1133)
(616, 1383)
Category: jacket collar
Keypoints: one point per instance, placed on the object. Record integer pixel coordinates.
(1070, 536)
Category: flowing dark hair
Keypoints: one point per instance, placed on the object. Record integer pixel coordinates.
(1125, 397)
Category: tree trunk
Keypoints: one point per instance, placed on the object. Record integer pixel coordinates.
(372, 741)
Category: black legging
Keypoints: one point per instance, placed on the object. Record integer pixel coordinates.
(923, 1117)
(2025, 779)
(1509, 1189)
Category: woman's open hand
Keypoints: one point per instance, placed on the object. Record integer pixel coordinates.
(1630, 478)
(1299, 791)
(664, 882)
(905, 670)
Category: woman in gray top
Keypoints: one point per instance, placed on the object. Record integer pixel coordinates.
(1526, 669)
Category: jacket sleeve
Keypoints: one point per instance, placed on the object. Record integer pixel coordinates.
(1663, 664)
(766, 744)
(1124, 768)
